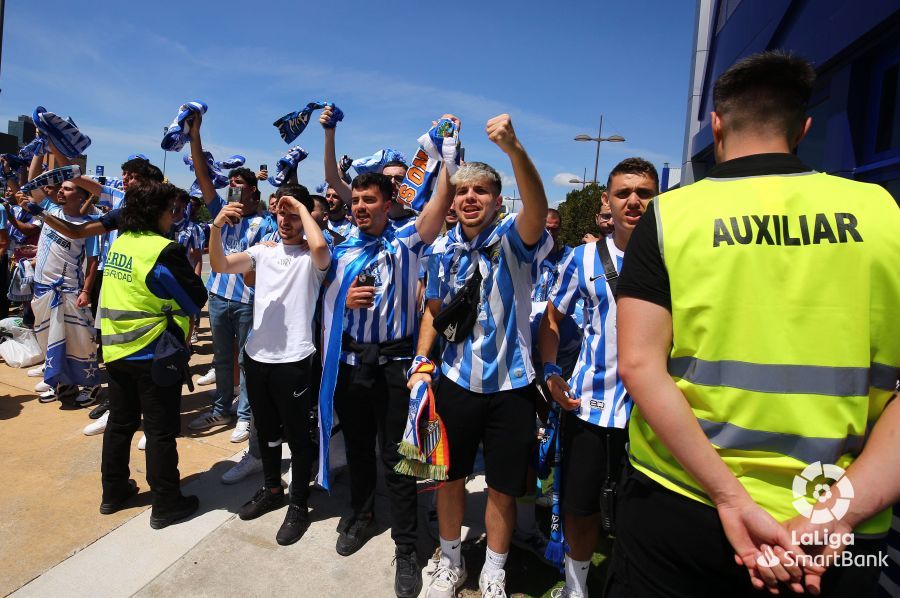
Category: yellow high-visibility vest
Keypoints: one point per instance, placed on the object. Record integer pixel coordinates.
(131, 316)
(785, 300)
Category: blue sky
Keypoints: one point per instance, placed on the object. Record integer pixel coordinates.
(121, 69)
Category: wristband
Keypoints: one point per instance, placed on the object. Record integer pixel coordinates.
(420, 365)
(214, 225)
(34, 209)
(551, 369)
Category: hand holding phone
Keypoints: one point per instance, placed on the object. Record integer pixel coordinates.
(234, 197)
(366, 279)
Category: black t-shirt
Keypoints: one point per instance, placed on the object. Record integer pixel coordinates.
(111, 219)
(644, 275)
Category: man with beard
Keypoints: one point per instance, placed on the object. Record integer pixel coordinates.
(370, 319)
(338, 221)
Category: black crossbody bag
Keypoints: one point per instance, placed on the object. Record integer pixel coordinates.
(457, 319)
(609, 489)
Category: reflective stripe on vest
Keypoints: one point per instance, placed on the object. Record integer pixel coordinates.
(784, 290)
(131, 316)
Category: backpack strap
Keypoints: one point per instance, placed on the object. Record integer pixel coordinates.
(609, 268)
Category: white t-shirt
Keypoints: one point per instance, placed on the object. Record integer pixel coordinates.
(59, 257)
(287, 287)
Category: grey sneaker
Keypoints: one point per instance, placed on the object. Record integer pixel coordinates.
(247, 466)
(208, 420)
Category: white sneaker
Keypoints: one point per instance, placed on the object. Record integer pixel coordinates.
(565, 592)
(98, 426)
(446, 580)
(492, 587)
(208, 420)
(195, 338)
(36, 372)
(48, 396)
(208, 378)
(142, 443)
(42, 387)
(241, 431)
(248, 465)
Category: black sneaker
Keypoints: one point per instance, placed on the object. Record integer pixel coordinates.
(345, 522)
(262, 502)
(355, 536)
(98, 411)
(185, 507)
(67, 395)
(108, 507)
(408, 574)
(296, 522)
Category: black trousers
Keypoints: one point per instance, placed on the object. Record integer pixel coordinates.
(668, 545)
(378, 414)
(132, 394)
(281, 400)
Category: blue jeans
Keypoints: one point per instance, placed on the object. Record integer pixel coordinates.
(231, 322)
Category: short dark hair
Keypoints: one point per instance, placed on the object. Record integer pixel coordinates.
(144, 204)
(769, 89)
(143, 168)
(375, 179)
(318, 199)
(298, 192)
(396, 163)
(634, 166)
(249, 178)
(554, 212)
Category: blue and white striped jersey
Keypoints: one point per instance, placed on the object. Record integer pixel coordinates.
(235, 239)
(342, 227)
(547, 271)
(394, 314)
(114, 199)
(188, 234)
(497, 355)
(604, 401)
(60, 258)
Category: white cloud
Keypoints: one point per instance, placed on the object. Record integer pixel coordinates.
(562, 179)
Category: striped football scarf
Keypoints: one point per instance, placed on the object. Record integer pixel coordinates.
(376, 162)
(62, 132)
(57, 176)
(215, 169)
(287, 165)
(293, 123)
(174, 139)
(356, 253)
(424, 448)
(439, 145)
(556, 547)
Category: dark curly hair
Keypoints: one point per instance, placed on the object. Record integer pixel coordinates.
(145, 204)
(144, 169)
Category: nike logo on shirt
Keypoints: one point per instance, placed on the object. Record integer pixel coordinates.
(593, 278)
(300, 394)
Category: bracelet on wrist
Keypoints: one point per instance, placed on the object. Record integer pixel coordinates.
(551, 369)
(214, 225)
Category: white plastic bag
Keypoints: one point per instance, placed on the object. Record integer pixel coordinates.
(21, 350)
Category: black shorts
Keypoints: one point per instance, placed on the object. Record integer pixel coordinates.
(668, 545)
(503, 422)
(586, 451)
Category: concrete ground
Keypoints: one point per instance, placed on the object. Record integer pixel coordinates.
(54, 541)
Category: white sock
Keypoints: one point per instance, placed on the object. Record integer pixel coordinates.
(493, 563)
(576, 575)
(451, 551)
(525, 520)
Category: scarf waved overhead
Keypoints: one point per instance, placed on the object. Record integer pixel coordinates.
(439, 144)
(376, 162)
(62, 132)
(424, 448)
(348, 260)
(287, 165)
(292, 124)
(175, 137)
(57, 176)
(215, 169)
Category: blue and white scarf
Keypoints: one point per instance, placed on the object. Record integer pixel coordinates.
(174, 139)
(287, 165)
(215, 169)
(62, 132)
(22, 159)
(67, 335)
(439, 145)
(348, 260)
(376, 162)
(292, 124)
(57, 176)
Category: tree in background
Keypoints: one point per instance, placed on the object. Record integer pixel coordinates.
(578, 212)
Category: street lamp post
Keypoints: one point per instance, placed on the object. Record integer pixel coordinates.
(598, 139)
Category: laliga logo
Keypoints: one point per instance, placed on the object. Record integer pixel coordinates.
(822, 493)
